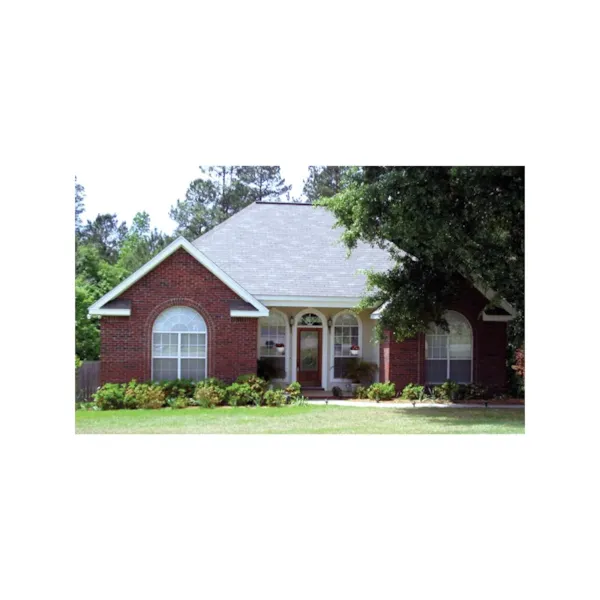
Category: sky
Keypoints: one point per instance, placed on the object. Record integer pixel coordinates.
(128, 188)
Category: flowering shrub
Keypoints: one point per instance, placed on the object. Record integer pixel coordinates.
(294, 390)
(274, 398)
(209, 396)
(257, 384)
(519, 366)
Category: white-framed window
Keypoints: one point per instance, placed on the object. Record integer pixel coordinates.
(271, 332)
(179, 345)
(449, 354)
(310, 320)
(346, 333)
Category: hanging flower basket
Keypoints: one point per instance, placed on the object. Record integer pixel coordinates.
(354, 350)
(280, 348)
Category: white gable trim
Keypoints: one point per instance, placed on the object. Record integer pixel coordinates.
(490, 294)
(180, 242)
(110, 312)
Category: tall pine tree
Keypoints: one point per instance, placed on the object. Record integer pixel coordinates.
(324, 182)
(222, 191)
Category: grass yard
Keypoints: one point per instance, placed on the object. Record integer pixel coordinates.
(303, 419)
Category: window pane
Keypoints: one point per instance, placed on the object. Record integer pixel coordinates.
(278, 364)
(164, 368)
(192, 369)
(179, 318)
(340, 367)
(460, 371)
(436, 371)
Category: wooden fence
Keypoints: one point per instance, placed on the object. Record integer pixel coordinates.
(87, 380)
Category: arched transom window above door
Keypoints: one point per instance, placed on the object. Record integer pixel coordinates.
(179, 345)
(310, 320)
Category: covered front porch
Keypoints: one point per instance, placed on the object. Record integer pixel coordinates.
(316, 345)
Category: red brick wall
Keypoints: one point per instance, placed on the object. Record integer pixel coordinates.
(404, 362)
(180, 280)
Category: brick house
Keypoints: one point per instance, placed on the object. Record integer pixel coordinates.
(273, 283)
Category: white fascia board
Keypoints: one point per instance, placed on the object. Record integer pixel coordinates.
(377, 313)
(490, 294)
(315, 301)
(109, 312)
(498, 318)
(249, 313)
(180, 242)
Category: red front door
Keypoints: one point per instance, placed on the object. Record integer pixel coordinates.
(309, 357)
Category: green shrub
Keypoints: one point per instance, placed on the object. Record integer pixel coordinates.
(294, 390)
(86, 406)
(336, 391)
(475, 391)
(241, 394)
(178, 388)
(111, 396)
(299, 401)
(362, 393)
(257, 384)
(178, 402)
(447, 390)
(149, 395)
(209, 396)
(381, 391)
(211, 382)
(274, 397)
(413, 391)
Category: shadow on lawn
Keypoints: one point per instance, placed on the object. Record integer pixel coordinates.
(501, 417)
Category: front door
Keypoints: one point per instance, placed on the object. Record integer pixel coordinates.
(309, 357)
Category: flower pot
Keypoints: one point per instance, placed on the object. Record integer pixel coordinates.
(281, 349)
(354, 352)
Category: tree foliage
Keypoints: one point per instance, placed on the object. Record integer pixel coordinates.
(440, 225)
(106, 252)
(222, 191)
(324, 182)
(79, 205)
(106, 234)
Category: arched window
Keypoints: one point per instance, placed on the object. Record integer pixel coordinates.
(449, 354)
(271, 332)
(346, 333)
(310, 320)
(179, 345)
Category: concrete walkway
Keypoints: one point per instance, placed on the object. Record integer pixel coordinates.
(408, 404)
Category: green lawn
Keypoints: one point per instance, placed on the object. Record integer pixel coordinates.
(303, 419)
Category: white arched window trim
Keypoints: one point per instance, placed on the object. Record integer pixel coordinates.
(179, 345)
(440, 349)
(276, 318)
(338, 316)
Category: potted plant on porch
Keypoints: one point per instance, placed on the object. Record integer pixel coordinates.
(280, 348)
(361, 372)
(354, 350)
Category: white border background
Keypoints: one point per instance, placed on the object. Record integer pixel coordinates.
(299, 516)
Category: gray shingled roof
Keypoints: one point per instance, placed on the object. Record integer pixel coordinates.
(290, 250)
